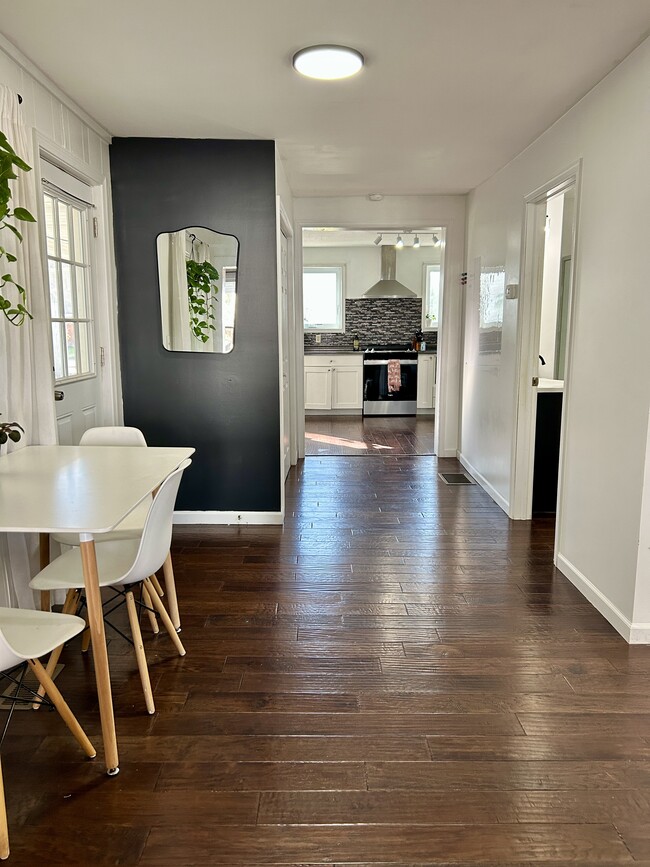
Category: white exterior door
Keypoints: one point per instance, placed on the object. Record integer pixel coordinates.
(77, 357)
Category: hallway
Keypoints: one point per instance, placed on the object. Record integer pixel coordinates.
(398, 677)
(388, 436)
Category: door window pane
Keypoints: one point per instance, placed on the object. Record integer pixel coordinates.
(432, 298)
(69, 275)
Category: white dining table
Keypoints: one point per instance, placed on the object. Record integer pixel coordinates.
(87, 490)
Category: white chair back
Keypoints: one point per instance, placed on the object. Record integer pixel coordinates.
(8, 658)
(157, 534)
(113, 436)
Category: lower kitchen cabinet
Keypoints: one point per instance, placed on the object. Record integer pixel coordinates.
(426, 381)
(333, 383)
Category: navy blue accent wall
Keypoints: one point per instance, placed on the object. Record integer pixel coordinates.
(226, 406)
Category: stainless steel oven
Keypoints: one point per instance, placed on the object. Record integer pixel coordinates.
(397, 396)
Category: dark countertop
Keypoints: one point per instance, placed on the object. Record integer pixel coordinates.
(339, 350)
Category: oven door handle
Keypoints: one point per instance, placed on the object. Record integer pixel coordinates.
(402, 361)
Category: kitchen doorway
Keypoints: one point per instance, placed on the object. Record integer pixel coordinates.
(545, 347)
(372, 303)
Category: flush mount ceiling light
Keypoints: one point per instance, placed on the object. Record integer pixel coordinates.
(328, 62)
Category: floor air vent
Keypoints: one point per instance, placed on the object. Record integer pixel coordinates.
(456, 479)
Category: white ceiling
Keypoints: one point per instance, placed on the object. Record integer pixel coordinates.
(451, 91)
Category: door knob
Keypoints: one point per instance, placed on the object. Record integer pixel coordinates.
(58, 395)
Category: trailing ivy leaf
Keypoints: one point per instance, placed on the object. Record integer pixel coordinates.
(24, 215)
(14, 230)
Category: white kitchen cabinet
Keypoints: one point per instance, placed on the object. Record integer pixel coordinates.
(318, 388)
(333, 383)
(426, 398)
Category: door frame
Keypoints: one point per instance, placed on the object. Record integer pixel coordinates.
(285, 228)
(527, 350)
(444, 359)
(103, 263)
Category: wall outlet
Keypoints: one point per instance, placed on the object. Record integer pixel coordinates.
(318, 338)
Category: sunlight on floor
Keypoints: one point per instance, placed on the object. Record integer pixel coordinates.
(340, 441)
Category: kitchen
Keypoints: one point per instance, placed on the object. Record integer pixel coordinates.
(372, 305)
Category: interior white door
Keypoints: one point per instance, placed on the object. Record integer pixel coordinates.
(68, 240)
(286, 398)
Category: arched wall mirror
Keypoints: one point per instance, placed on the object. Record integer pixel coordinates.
(197, 275)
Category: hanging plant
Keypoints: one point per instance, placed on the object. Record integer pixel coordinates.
(201, 295)
(15, 311)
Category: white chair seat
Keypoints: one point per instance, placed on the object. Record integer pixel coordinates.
(31, 634)
(130, 528)
(114, 561)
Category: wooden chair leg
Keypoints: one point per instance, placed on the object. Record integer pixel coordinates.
(150, 614)
(69, 607)
(85, 638)
(44, 560)
(162, 611)
(4, 828)
(139, 652)
(59, 703)
(170, 585)
(156, 583)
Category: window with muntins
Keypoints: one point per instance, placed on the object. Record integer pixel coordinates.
(68, 264)
(323, 305)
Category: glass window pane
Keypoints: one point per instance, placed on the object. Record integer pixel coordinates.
(57, 345)
(321, 299)
(85, 349)
(432, 314)
(50, 227)
(82, 308)
(68, 297)
(53, 273)
(78, 235)
(64, 230)
(71, 348)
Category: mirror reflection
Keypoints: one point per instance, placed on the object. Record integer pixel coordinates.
(197, 274)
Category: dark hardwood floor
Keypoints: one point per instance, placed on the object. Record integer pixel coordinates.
(391, 436)
(397, 677)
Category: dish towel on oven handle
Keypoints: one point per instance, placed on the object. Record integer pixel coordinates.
(394, 375)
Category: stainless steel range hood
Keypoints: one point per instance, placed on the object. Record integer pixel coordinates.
(388, 286)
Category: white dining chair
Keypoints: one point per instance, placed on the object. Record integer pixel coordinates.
(123, 564)
(131, 526)
(25, 636)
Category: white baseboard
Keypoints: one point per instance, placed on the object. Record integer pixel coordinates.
(633, 633)
(228, 518)
(483, 482)
(447, 453)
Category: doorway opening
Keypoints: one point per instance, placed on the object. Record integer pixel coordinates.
(373, 310)
(545, 348)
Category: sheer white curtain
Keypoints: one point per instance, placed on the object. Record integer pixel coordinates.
(178, 313)
(26, 386)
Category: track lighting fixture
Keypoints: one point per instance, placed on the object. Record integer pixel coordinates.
(416, 242)
(399, 243)
(436, 240)
(378, 240)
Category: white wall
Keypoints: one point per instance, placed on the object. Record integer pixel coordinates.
(363, 265)
(76, 142)
(606, 414)
(395, 213)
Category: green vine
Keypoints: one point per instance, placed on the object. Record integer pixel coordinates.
(15, 312)
(201, 295)
(10, 430)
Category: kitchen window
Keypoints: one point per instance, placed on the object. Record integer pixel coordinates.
(323, 305)
(431, 311)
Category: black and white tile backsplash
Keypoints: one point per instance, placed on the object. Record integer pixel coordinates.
(377, 320)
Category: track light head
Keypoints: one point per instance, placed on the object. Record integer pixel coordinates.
(436, 240)
(399, 243)
(378, 240)
(416, 242)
